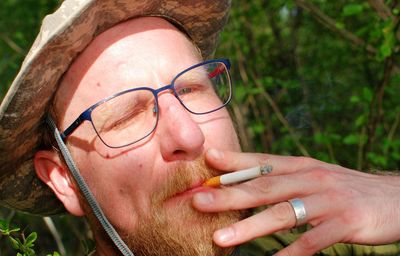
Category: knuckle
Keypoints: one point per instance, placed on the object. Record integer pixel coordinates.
(305, 161)
(284, 214)
(321, 175)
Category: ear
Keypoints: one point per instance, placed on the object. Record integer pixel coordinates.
(54, 173)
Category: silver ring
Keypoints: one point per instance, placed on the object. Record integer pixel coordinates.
(299, 211)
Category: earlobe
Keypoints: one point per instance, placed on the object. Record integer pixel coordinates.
(51, 170)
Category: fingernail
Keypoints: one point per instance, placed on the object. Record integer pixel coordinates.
(203, 198)
(213, 153)
(224, 235)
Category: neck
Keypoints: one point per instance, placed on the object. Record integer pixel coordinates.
(105, 247)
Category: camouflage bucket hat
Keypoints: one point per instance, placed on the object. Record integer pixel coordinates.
(63, 35)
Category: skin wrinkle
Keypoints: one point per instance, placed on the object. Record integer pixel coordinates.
(134, 185)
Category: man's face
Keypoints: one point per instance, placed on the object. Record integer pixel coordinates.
(145, 189)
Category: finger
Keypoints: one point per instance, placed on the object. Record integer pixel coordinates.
(260, 191)
(275, 218)
(233, 161)
(315, 240)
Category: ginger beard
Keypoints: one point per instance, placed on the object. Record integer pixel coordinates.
(181, 230)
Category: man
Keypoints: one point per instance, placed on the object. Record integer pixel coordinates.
(137, 124)
(145, 185)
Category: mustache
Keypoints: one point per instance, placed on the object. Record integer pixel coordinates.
(182, 177)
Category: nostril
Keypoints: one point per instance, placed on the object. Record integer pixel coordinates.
(178, 152)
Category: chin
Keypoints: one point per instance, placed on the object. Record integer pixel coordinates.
(178, 229)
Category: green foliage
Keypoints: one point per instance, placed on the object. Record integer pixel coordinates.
(18, 27)
(5, 228)
(302, 85)
(22, 245)
(88, 246)
(330, 71)
(352, 9)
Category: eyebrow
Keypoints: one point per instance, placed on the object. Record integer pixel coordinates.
(194, 75)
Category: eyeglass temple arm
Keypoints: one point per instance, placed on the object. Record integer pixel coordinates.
(219, 69)
(70, 129)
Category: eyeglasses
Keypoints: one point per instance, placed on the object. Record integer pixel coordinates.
(131, 115)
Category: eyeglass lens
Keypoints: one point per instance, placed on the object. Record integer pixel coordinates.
(131, 116)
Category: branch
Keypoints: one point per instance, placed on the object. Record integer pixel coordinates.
(381, 8)
(331, 24)
(375, 108)
(360, 151)
(394, 127)
(11, 44)
(281, 118)
(53, 230)
(271, 102)
(238, 111)
(385, 13)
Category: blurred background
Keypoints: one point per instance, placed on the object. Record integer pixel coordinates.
(315, 78)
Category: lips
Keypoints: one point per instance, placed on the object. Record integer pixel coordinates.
(194, 188)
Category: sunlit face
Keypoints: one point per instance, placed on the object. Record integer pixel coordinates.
(153, 180)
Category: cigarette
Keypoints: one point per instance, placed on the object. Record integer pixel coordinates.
(238, 176)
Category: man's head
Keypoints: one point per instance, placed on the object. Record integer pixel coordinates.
(145, 188)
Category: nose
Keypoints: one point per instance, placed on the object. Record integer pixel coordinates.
(181, 138)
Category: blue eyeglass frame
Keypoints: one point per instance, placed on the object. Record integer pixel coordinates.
(87, 114)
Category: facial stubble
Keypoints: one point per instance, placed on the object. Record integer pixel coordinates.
(181, 230)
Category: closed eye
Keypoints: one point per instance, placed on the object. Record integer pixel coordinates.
(124, 119)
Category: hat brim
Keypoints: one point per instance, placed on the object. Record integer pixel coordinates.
(63, 35)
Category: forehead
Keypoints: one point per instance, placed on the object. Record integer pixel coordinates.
(141, 52)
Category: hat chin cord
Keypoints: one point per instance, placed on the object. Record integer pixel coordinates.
(112, 233)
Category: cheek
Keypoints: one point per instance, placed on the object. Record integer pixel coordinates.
(120, 183)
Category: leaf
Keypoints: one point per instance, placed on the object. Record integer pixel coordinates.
(361, 120)
(255, 91)
(352, 9)
(55, 254)
(30, 252)
(367, 94)
(5, 227)
(258, 127)
(321, 138)
(240, 93)
(340, 25)
(14, 230)
(15, 242)
(377, 159)
(354, 99)
(385, 51)
(351, 139)
(30, 239)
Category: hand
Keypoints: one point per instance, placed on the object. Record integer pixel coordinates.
(342, 205)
